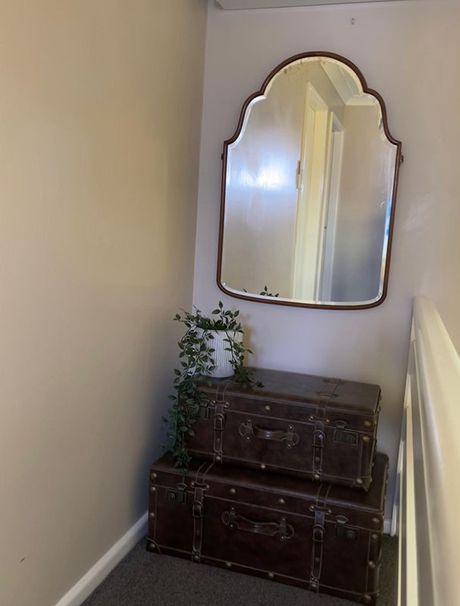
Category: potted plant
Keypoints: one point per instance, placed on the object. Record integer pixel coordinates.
(211, 347)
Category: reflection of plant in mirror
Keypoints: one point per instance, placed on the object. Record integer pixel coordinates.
(197, 363)
(265, 292)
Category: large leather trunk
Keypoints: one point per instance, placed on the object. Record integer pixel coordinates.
(322, 537)
(313, 427)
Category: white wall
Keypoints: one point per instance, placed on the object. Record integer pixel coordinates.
(100, 108)
(409, 52)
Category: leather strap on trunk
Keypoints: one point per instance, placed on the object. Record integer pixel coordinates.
(219, 405)
(319, 435)
(320, 510)
(219, 424)
(319, 438)
(198, 511)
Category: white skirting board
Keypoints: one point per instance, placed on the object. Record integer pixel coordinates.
(94, 577)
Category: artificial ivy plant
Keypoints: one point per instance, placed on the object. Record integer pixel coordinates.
(196, 363)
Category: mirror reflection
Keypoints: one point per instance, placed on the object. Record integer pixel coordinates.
(308, 191)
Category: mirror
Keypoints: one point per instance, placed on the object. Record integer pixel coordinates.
(308, 190)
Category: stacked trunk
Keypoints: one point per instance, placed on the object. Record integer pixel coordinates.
(285, 484)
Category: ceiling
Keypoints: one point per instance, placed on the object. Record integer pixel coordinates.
(242, 4)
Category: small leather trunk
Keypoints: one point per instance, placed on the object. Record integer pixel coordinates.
(308, 426)
(322, 537)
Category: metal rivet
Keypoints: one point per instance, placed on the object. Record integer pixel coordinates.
(268, 408)
(290, 426)
(152, 515)
(366, 439)
(316, 476)
(367, 599)
(152, 489)
(312, 508)
(226, 405)
(218, 458)
(228, 564)
(271, 575)
(153, 476)
(359, 481)
(263, 466)
(281, 501)
(374, 537)
(328, 420)
(232, 491)
(311, 417)
(196, 558)
(368, 423)
(376, 520)
(151, 546)
(371, 564)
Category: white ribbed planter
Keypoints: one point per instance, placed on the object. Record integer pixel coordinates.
(222, 358)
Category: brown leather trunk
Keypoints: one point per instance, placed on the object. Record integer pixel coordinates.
(322, 537)
(303, 425)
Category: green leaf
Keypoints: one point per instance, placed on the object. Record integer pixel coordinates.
(195, 358)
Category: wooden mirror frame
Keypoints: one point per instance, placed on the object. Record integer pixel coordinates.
(398, 161)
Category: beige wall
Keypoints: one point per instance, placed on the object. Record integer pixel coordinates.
(408, 51)
(100, 106)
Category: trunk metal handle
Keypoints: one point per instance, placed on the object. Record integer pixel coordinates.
(248, 430)
(271, 529)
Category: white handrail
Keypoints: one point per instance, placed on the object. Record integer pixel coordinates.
(430, 480)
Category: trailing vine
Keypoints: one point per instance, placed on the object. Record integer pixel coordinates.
(195, 363)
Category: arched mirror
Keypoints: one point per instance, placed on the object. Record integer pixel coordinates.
(308, 190)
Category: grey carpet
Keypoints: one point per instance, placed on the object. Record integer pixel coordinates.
(146, 579)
